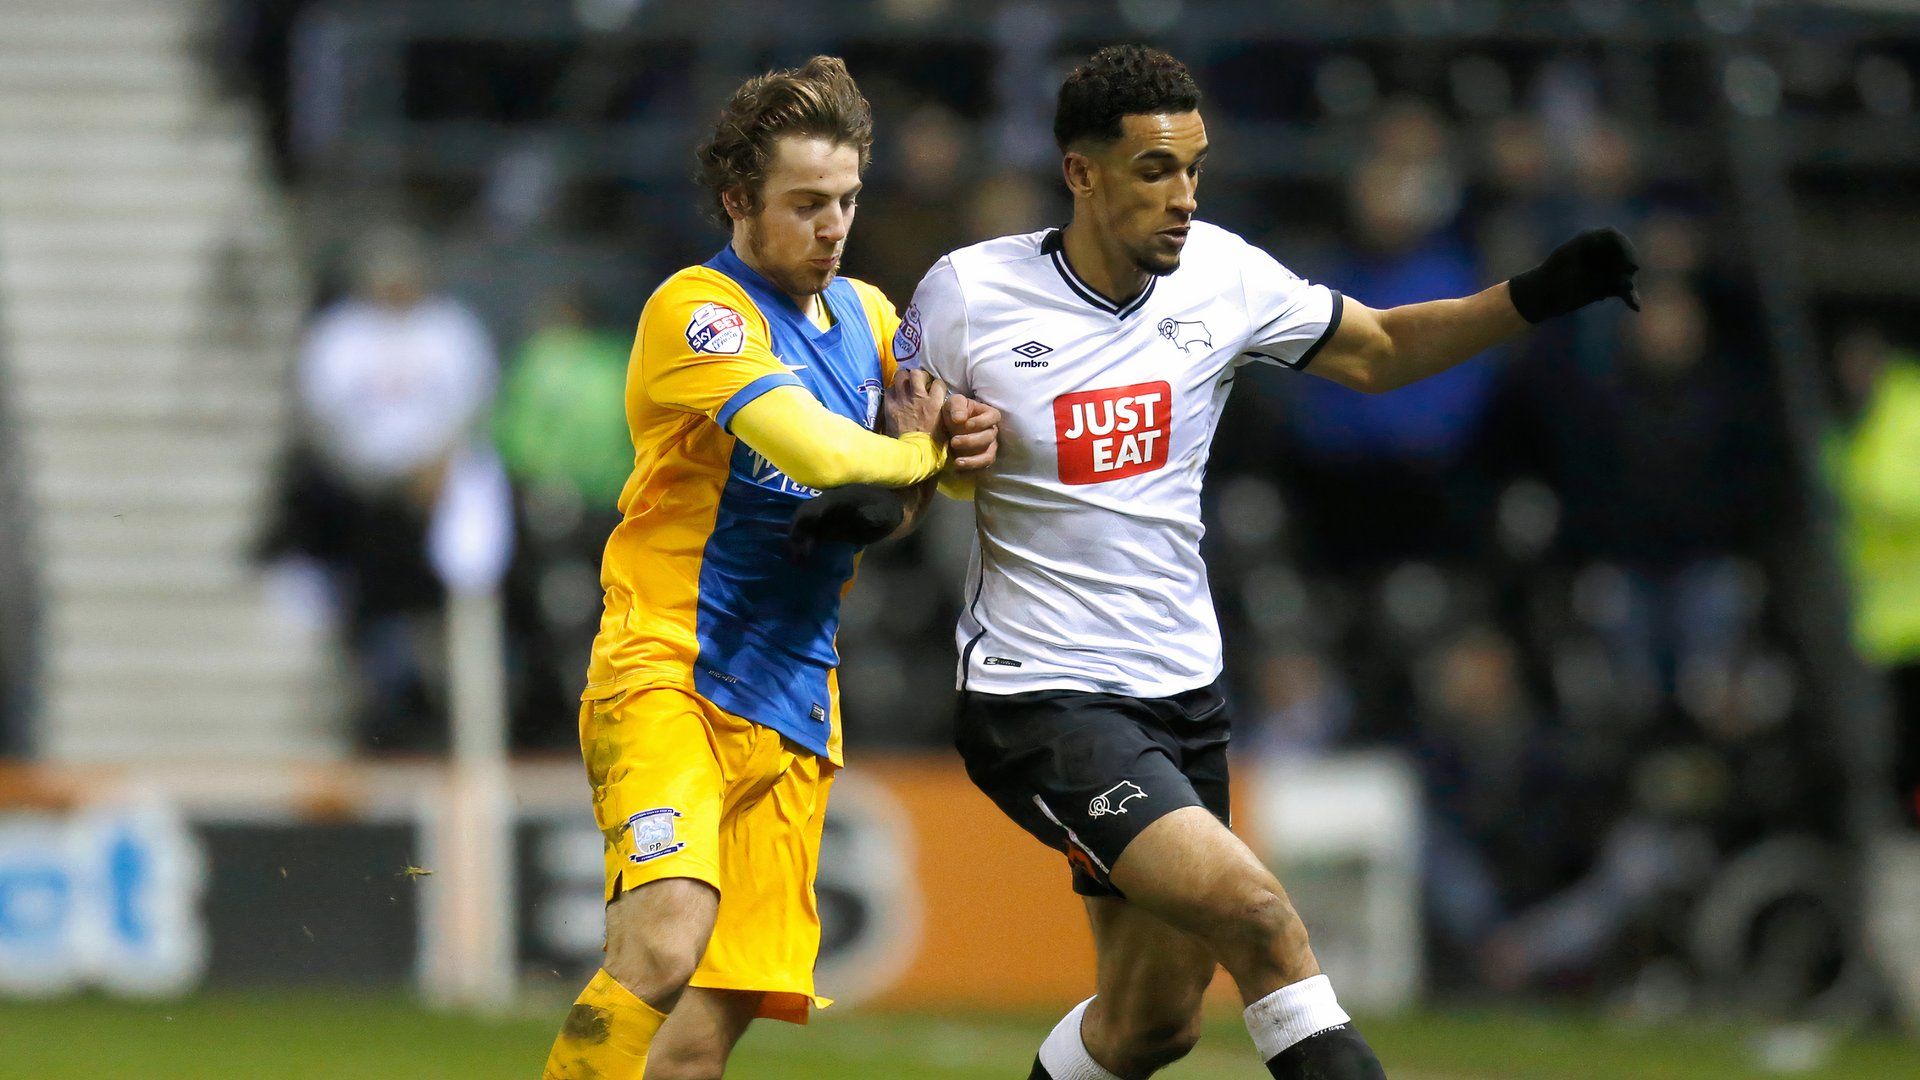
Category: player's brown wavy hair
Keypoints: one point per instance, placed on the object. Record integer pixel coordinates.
(818, 98)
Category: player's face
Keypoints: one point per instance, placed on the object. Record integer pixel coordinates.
(1144, 187)
(806, 210)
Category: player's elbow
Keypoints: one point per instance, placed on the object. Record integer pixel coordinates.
(1366, 372)
(1368, 379)
(1376, 358)
(1384, 365)
(1385, 377)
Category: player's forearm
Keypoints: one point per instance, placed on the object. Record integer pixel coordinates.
(821, 449)
(1426, 339)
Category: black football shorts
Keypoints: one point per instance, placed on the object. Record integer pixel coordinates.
(1085, 773)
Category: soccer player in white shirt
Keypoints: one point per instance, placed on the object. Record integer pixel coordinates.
(1089, 653)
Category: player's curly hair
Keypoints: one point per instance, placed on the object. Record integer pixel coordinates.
(1118, 81)
(819, 98)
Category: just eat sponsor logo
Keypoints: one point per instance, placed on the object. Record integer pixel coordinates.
(1111, 434)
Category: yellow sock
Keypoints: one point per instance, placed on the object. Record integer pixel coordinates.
(607, 1034)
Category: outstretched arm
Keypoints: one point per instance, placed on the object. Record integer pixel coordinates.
(1376, 351)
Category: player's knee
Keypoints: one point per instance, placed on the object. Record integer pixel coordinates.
(654, 969)
(1259, 919)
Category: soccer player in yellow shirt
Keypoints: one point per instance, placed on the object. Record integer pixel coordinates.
(710, 723)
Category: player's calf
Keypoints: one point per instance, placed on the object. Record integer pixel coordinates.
(1152, 979)
(1142, 1049)
(1132, 1050)
(1189, 870)
(698, 1038)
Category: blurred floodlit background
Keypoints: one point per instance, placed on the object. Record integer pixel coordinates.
(1586, 675)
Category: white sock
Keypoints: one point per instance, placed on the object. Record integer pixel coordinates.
(1064, 1054)
(1292, 1013)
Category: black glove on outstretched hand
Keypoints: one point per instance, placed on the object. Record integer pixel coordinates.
(1592, 266)
(855, 514)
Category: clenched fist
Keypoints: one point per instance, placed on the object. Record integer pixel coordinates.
(1593, 266)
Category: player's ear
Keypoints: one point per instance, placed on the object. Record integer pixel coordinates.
(739, 205)
(1079, 170)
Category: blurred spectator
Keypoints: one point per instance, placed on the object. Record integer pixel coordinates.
(393, 379)
(561, 428)
(914, 223)
(1304, 706)
(1668, 465)
(1515, 214)
(1875, 466)
(1540, 187)
(391, 502)
(1655, 853)
(1377, 477)
(561, 422)
(1507, 798)
(1544, 183)
(1013, 202)
(1606, 173)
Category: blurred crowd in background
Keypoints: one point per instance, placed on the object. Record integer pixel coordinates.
(1551, 577)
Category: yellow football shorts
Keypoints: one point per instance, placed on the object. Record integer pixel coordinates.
(684, 789)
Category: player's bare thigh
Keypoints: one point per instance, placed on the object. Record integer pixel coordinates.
(656, 935)
(1189, 870)
(700, 1033)
(1150, 983)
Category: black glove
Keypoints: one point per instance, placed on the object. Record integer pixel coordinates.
(1592, 266)
(855, 514)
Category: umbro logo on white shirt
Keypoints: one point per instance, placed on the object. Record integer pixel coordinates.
(1033, 351)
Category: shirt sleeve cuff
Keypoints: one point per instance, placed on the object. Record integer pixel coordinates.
(747, 393)
(1333, 326)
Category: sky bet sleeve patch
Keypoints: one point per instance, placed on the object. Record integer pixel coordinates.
(717, 329)
(906, 340)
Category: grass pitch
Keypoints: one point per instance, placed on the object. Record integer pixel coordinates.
(374, 1037)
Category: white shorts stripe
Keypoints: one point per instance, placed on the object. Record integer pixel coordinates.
(1071, 837)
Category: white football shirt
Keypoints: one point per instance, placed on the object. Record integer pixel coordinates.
(1086, 571)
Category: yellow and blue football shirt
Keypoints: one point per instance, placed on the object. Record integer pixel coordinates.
(699, 591)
